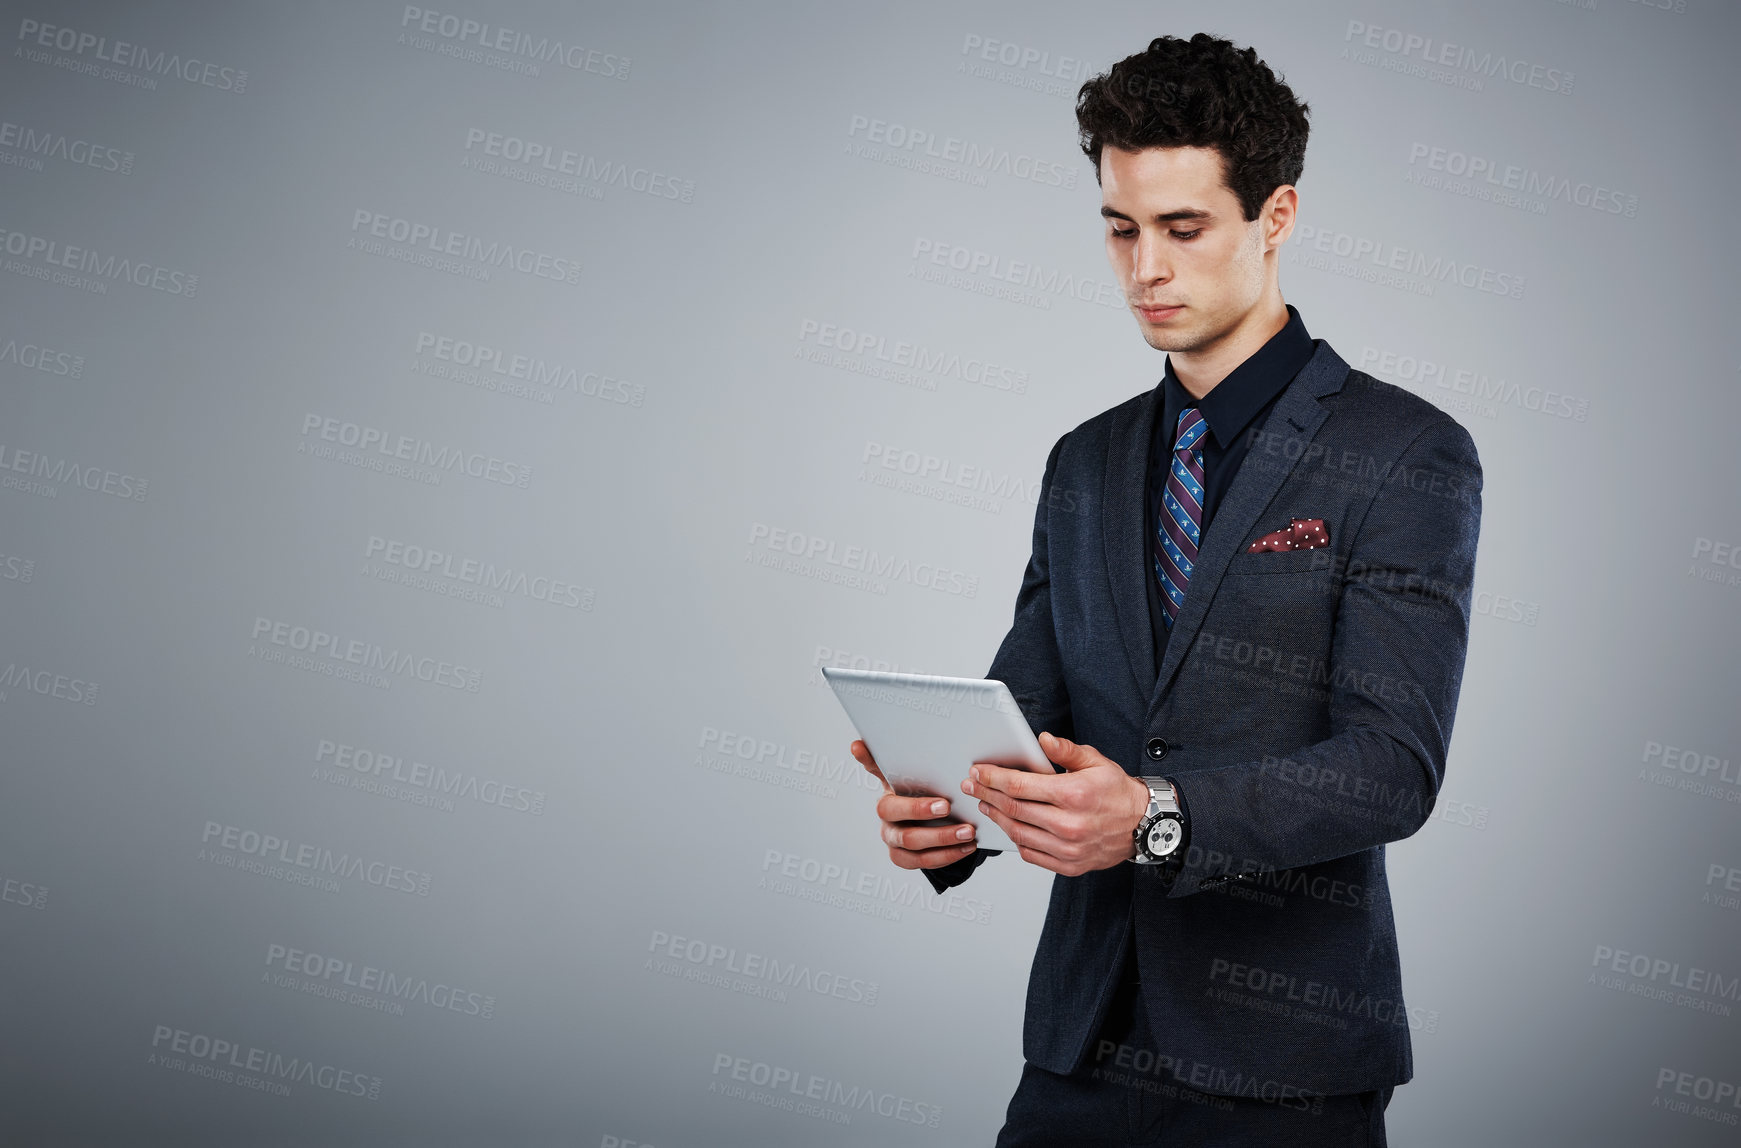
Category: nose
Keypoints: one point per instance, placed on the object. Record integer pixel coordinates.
(1150, 264)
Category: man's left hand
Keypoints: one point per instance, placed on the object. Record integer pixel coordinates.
(1071, 823)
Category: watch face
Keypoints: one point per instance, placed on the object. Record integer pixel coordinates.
(1164, 836)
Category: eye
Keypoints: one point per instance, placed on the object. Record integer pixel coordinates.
(1187, 234)
(1124, 233)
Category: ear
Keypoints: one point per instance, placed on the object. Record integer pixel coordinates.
(1278, 215)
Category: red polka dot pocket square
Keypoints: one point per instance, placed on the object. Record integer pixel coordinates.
(1301, 534)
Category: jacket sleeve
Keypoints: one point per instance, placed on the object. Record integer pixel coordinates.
(1028, 660)
(1396, 666)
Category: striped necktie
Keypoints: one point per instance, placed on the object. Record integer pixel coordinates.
(1180, 521)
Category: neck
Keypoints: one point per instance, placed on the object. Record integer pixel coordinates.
(1200, 370)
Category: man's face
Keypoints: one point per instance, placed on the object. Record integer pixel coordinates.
(1190, 264)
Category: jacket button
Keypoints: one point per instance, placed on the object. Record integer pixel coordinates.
(1157, 748)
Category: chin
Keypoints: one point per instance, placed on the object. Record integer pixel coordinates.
(1167, 338)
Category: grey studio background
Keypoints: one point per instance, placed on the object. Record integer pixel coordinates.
(439, 446)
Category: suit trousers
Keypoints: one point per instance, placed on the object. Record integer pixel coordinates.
(1120, 1097)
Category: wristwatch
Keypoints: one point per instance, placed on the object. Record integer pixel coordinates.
(1162, 829)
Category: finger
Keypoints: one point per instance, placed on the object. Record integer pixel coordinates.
(1003, 801)
(917, 838)
(1062, 823)
(1028, 836)
(930, 858)
(1015, 782)
(1046, 861)
(1062, 751)
(894, 807)
(862, 752)
(1060, 819)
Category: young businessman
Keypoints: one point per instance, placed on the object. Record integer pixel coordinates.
(1245, 658)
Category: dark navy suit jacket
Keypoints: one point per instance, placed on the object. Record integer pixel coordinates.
(1305, 702)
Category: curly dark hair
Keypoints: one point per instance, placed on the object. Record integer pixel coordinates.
(1201, 92)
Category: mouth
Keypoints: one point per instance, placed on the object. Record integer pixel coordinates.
(1159, 312)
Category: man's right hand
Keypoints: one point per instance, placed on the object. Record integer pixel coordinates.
(912, 845)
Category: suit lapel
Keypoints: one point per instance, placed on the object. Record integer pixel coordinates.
(1125, 536)
(1297, 416)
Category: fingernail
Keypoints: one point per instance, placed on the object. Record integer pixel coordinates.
(964, 833)
(967, 849)
(973, 772)
(939, 808)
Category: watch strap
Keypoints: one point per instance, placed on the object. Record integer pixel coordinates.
(1162, 802)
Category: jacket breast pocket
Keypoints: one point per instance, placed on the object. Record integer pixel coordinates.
(1319, 561)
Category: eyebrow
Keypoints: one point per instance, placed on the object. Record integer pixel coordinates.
(1164, 217)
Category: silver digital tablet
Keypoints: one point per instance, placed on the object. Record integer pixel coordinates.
(924, 731)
